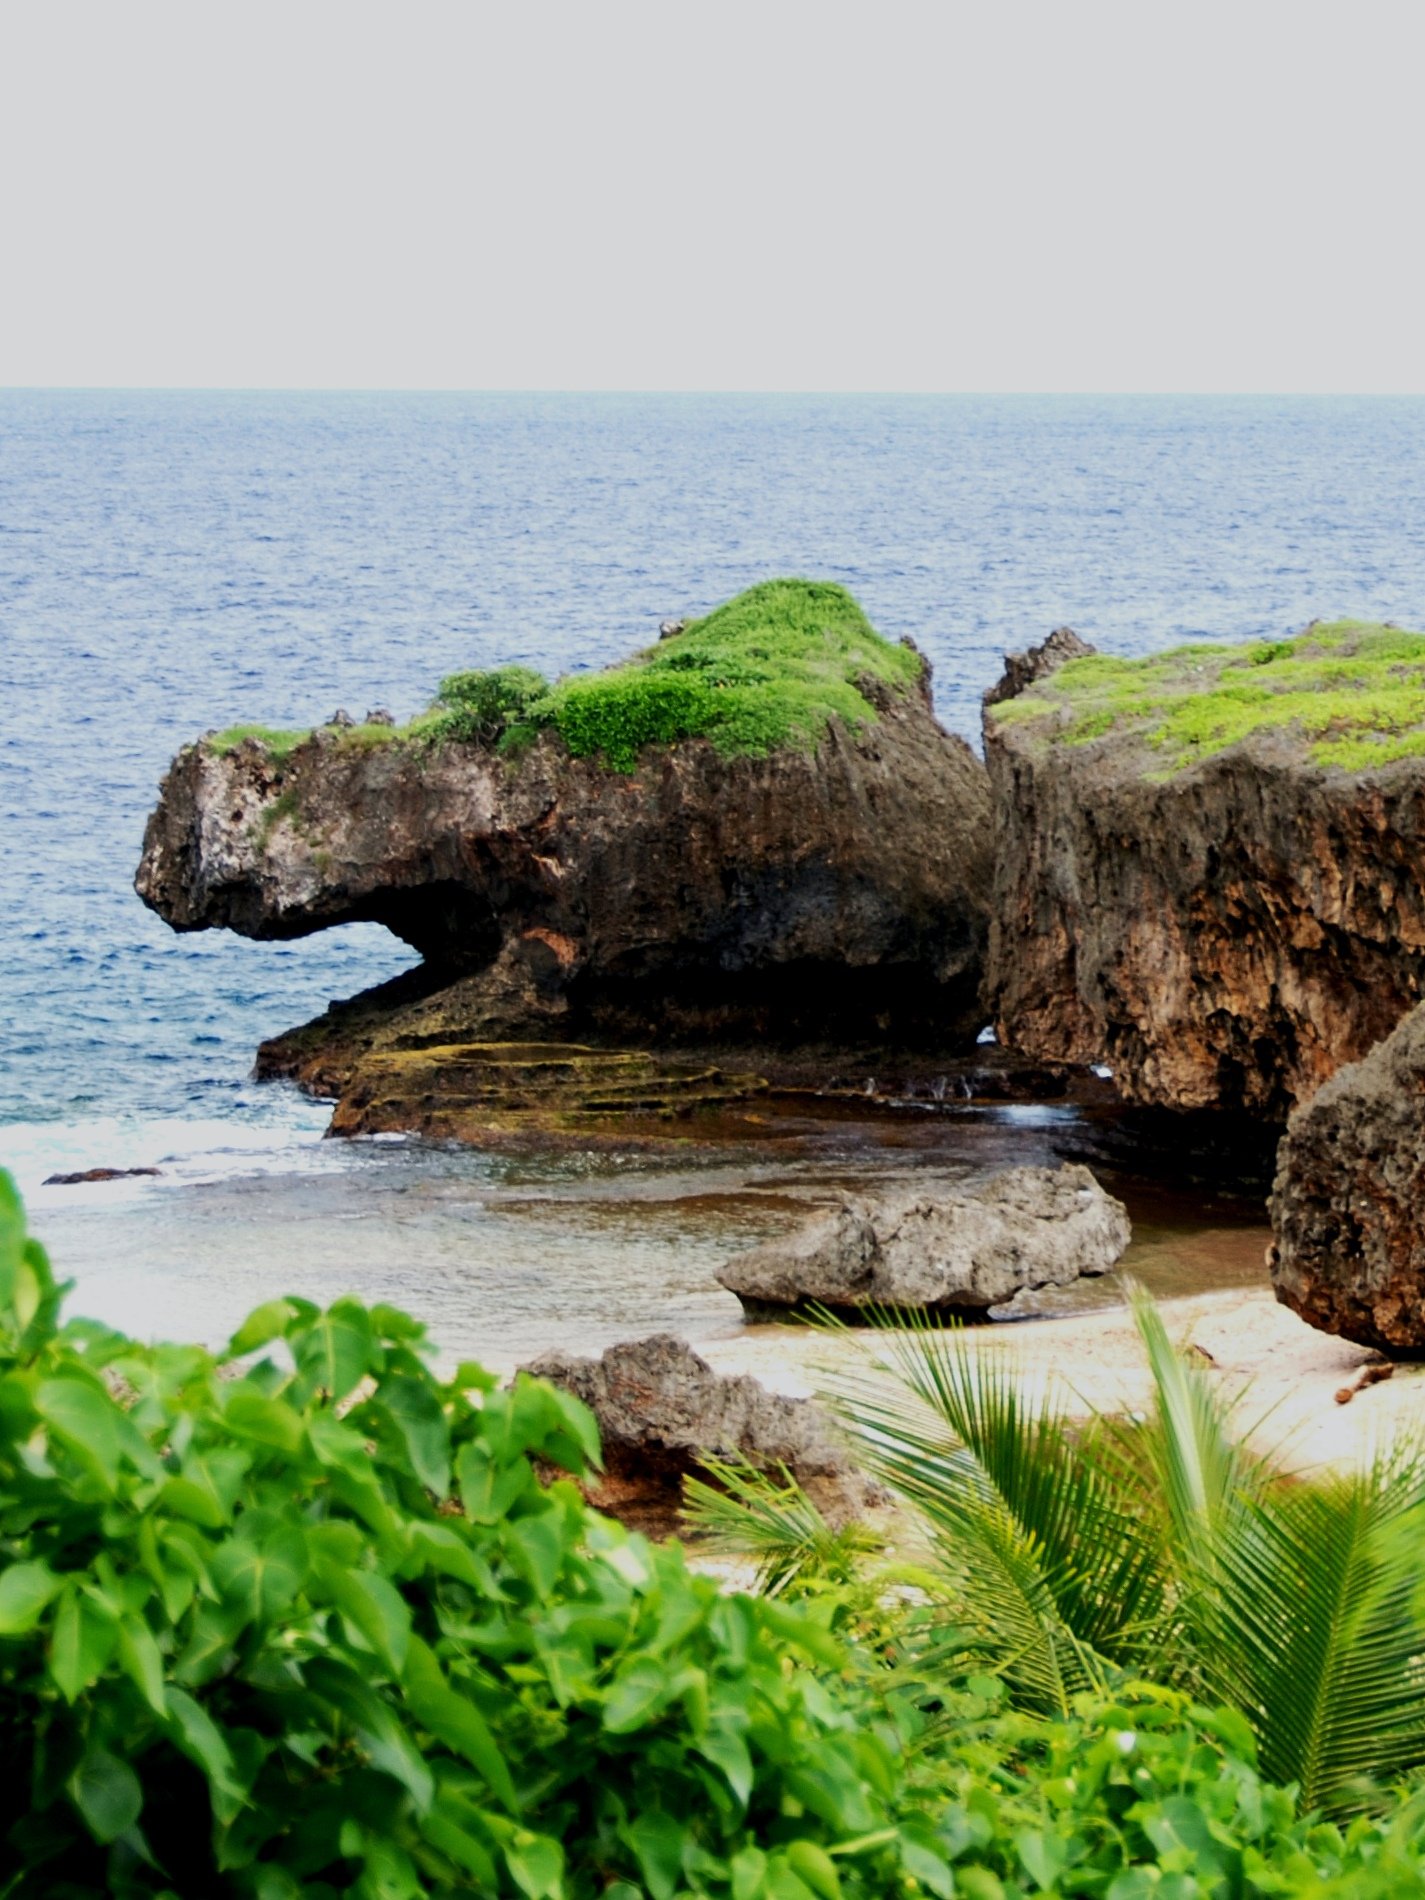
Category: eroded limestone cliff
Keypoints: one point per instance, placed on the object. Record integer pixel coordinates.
(835, 887)
(1210, 875)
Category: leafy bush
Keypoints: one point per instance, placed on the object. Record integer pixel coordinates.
(481, 707)
(313, 1625)
(770, 668)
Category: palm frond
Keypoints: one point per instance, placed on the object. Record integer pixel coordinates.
(1035, 1523)
(746, 1513)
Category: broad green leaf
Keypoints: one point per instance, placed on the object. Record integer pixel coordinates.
(638, 1694)
(267, 1322)
(261, 1575)
(419, 1422)
(384, 1737)
(272, 1422)
(83, 1640)
(487, 1488)
(657, 1840)
(536, 1866)
(1043, 1856)
(333, 1353)
(25, 1593)
(455, 1720)
(140, 1661)
(727, 1749)
(374, 1606)
(107, 1794)
(535, 1546)
(97, 1431)
(200, 1738)
(815, 1866)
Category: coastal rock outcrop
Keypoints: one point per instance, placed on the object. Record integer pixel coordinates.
(646, 854)
(661, 1408)
(1348, 1204)
(972, 1251)
(1210, 865)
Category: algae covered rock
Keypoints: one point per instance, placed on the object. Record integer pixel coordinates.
(1210, 865)
(756, 827)
(661, 1409)
(1348, 1204)
(962, 1252)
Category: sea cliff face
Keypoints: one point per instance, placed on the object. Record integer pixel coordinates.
(804, 856)
(799, 890)
(1203, 876)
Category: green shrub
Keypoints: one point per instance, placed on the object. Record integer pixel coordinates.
(311, 1623)
(480, 707)
(769, 669)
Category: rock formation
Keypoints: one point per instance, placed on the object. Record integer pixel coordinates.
(1348, 1206)
(834, 886)
(661, 1408)
(971, 1252)
(1210, 866)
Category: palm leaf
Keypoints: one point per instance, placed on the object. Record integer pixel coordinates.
(1298, 1600)
(746, 1513)
(1035, 1523)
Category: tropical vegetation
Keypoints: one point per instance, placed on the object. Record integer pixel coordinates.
(303, 1618)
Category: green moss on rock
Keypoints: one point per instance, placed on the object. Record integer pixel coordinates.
(1354, 691)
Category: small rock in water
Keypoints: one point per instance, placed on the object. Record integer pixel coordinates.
(986, 1248)
(95, 1174)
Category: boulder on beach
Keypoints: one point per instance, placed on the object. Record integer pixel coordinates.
(661, 1409)
(975, 1250)
(1210, 864)
(1348, 1205)
(754, 829)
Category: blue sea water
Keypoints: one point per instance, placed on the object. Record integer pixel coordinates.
(173, 562)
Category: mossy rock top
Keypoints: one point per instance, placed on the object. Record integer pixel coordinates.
(768, 670)
(1353, 691)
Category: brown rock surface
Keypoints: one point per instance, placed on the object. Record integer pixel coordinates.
(842, 892)
(661, 1407)
(1348, 1205)
(1224, 937)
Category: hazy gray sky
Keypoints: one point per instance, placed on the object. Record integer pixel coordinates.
(1157, 195)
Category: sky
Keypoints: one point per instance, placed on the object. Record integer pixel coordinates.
(887, 196)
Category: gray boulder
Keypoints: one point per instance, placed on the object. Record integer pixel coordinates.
(661, 1408)
(972, 1250)
(1348, 1204)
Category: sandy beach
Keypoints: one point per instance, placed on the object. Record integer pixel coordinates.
(1284, 1374)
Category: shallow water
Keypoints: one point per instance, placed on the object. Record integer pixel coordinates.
(174, 562)
(504, 1258)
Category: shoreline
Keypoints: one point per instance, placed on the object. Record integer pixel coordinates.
(1283, 1372)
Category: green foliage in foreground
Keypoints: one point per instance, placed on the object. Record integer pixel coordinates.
(1073, 1553)
(306, 1622)
(770, 669)
(1354, 690)
(255, 1644)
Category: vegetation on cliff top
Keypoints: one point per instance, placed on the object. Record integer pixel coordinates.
(1354, 690)
(769, 669)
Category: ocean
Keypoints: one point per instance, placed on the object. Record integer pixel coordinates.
(174, 562)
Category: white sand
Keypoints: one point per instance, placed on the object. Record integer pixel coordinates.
(1287, 1374)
